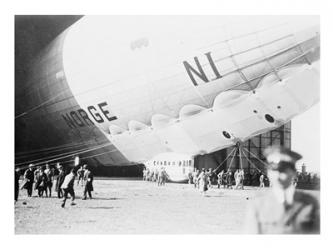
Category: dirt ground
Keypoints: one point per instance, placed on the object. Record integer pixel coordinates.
(137, 207)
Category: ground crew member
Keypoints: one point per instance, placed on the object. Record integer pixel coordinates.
(261, 180)
(80, 174)
(236, 178)
(203, 181)
(36, 177)
(36, 174)
(196, 178)
(49, 179)
(147, 174)
(219, 179)
(68, 187)
(60, 180)
(144, 174)
(225, 179)
(88, 183)
(165, 176)
(17, 185)
(229, 179)
(209, 177)
(239, 179)
(41, 184)
(28, 180)
(160, 177)
(284, 210)
(190, 177)
(151, 175)
(155, 175)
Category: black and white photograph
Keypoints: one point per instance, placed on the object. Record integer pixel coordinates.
(167, 124)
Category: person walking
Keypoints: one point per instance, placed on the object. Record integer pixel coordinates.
(88, 183)
(165, 176)
(160, 177)
(49, 179)
(261, 180)
(190, 177)
(80, 174)
(144, 174)
(229, 179)
(239, 179)
(203, 182)
(236, 178)
(68, 187)
(17, 183)
(28, 180)
(220, 179)
(60, 180)
(225, 179)
(196, 178)
(41, 183)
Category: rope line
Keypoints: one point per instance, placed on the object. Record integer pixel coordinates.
(256, 157)
(240, 157)
(61, 156)
(251, 163)
(50, 150)
(225, 159)
(232, 159)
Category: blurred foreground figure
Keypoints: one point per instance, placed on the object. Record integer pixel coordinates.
(283, 210)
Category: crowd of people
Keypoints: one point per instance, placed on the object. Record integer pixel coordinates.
(46, 179)
(157, 175)
(206, 178)
(226, 179)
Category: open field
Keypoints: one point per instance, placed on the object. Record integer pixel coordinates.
(137, 207)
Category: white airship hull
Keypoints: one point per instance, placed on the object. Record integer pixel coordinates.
(133, 88)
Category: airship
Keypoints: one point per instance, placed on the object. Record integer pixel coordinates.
(160, 90)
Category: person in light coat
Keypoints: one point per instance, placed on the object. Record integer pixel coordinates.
(68, 187)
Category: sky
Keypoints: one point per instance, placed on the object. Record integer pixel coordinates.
(305, 138)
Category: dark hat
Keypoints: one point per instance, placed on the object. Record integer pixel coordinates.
(281, 158)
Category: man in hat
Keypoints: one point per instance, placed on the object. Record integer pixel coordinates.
(49, 179)
(60, 180)
(41, 182)
(88, 182)
(28, 180)
(229, 179)
(261, 180)
(284, 210)
(80, 174)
